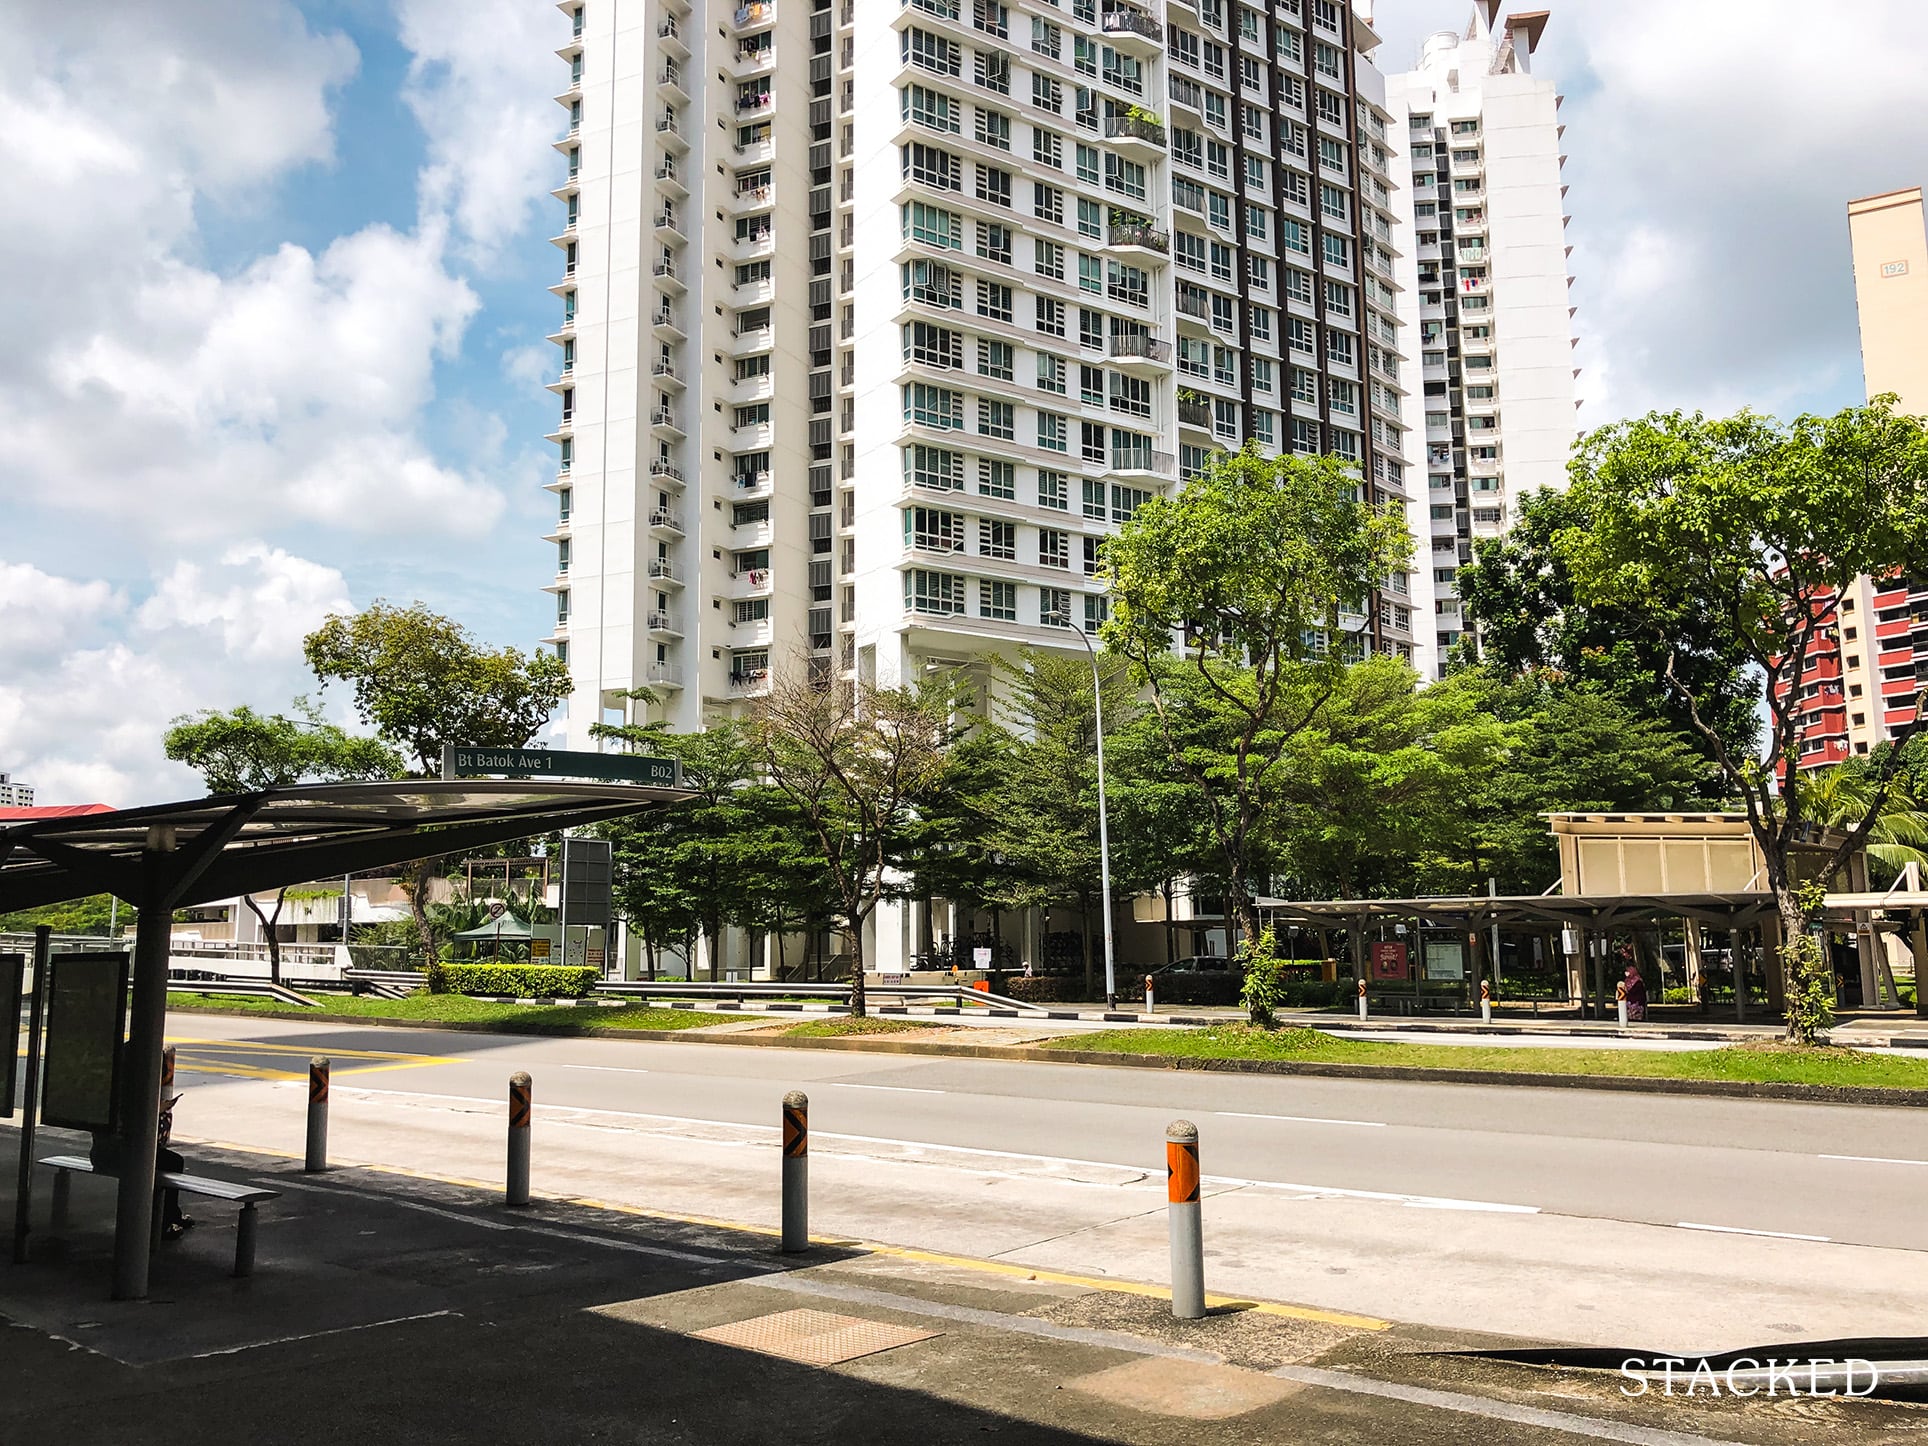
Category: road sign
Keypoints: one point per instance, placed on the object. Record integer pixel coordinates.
(458, 760)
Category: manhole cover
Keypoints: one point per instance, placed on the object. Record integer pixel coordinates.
(813, 1337)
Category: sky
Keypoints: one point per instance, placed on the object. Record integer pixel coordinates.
(273, 299)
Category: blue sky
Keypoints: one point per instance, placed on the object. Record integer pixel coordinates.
(273, 297)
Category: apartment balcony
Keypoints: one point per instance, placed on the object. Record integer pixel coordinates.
(748, 343)
(1142, 464)
(1195, 412)
(1133, 31)
(669, 227)
(757, 533)
(751, 61)
(1142, 140)
(753, 485)
(663, 625)
(670, 79)
(670, 32)
(663, 675)
(666, 325)
(755, 152)
(757, 15)
(1188, 93)
(752, 583)
(663, 570)
(669, 177)
(662, 471)
(663, 419)
(1140, 237)
(759, 103)
(754, 247)
(745, 390)
(665, 272)
(1144, 355)
(1194, 313)
(754, 293)
(749, 683)
(753, 198)
(671, 130)
(661, 519)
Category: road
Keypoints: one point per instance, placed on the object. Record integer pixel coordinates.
(1610, 1219)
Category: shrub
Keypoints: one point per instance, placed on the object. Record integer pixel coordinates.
(1680, 994)
(1265, 984)
(524, 981)
(1314, 993)
(1042, 988)
(1185, 987)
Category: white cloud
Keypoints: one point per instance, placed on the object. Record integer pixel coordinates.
(83, 722)
(1713, 148)
(481, 85)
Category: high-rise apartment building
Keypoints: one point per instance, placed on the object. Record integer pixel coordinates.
(1867, 671)
(1483, 298)
(15, 795)
(878, 315)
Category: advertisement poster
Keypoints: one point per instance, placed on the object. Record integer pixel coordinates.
(86, 1024)
(13, 968)
(1389, 960)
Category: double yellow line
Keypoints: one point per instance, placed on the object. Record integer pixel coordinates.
(190, 1055)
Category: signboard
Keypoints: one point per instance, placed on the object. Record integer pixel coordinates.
(1390, 961)
(1894, 268)
(1445, 959)
(981, 957)
(86, 1024)
(13, 970)
(539, 948)
(458, 760)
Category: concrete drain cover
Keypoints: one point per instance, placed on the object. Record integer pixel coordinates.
(813, 1337)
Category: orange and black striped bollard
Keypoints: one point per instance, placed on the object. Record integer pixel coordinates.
(796, 1172)
(521, 1107)
(316, 1158)
(1187, 1226)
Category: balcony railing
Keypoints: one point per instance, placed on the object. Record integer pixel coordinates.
(1139, 233)
(662, 517)
(670, 673)
(1138, 459)
(1131, 127)
(659, 468)
(664, 269)
(1147, 348)
(1195, 413)
(663, 568)
(758, 14)
(1132, 22)
(663, 623)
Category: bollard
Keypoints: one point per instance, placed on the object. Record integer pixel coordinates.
(1486, 1001)
(796, 1172)
(1149, 1005)
(521, 1106)
(317, 1156)
(1620, 1002)
(1362, 999)
(1187, 1233)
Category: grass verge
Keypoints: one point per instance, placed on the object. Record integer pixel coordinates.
(461, 1009)
(1744, 1063)
(869, 1024)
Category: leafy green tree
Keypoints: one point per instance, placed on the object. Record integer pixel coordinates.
(242, 751)
(1528, 622)
(98, 914)
(854, 760)
(1841, 796)
(422, 682)
(1756, 527)
(1229, 598)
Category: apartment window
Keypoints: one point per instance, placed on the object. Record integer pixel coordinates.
(929, 344)
(939, 593)
(1047, 203)
(932, 225)
(1050, 373)
(1091, 274)
(1305, 386)
(1054, 548)
(992, 70)
(1338, 298)
(931, 108)
(997, 539)
(1225, 419)
(1256, 223)
(755, 416)
(1053, 490)
(1050, 315)
(749, 368)
(1125, 502)
(1262, 424)
(993, 129)
(997, 479)
(996, 419)
(1125, 177)
(995, 359)
(1046, 92)
(930, 529)
(1131, 395)
(1054, 607)
(932, 166)
(1295, 235)
(1094, 500)
(1339, 348)
(932, 52)
(934, 468)
(1047, 259)
(1052, 432)
(1338, 250)
(1091, 386)
(993, 185)
(997, 600)
(1261, 319)
(1298, 285)
(1091, 328)
(1047, 148)
(1305, 436)
(1091, 219)
(1188, 250)
(1261, 373)
(929, 406)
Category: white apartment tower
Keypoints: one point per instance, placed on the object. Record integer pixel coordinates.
(1483, 298)
(878, 315)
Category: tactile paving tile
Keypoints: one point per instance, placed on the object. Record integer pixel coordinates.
(814, 1337)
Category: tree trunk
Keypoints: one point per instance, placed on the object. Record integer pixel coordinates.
(858, 1005)
(1171, 925)
(1799, 953)
(1084, 932)
(268, 922)
(418, 906)
(713, 944)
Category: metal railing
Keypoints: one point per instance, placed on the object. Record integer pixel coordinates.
(834, 993)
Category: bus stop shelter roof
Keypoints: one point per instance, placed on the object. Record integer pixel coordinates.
(1600, 911)
(229, 844)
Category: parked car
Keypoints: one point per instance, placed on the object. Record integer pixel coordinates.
(1199, 964)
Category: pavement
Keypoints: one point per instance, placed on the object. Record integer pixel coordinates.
(392, 1307)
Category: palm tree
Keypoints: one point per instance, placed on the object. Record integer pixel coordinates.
(1840, 797)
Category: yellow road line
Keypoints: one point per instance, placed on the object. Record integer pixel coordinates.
(277, 1048)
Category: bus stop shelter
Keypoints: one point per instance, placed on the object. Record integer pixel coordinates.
(174, 855)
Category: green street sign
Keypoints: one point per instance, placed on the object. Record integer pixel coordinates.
(458, 761)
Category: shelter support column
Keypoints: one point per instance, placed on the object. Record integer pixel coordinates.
(1739, 961)
(140, 1101)
(1690, 934)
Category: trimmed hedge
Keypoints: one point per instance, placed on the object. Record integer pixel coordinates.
(521, 981)
(1185, 987)
(1042, 988)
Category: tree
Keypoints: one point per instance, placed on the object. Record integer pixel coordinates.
(1841, 796)
(1529, 623)
(1755, 528)
(244, 752)
(853, 759)
(1249, 570)
(422, 682)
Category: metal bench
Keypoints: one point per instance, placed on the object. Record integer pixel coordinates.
(65, 1167)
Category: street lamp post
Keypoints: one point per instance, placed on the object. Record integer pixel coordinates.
(1104, 836)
